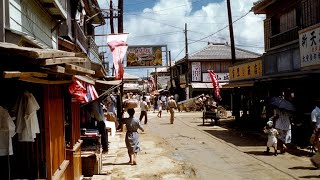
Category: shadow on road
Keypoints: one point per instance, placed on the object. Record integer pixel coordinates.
(237, 138)
(259, 153)
(303, 168)
(309, 177)
(115, 164)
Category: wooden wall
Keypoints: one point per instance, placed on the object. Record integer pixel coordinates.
(54, 127)
(28, 17)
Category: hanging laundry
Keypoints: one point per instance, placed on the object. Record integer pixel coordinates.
(7, 131)
(27, 119)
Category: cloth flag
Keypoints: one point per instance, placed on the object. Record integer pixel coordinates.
(118, 46)
(152, 83)
(215, 84)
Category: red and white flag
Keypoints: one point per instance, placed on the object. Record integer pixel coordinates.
(215, 84)
(118, 46)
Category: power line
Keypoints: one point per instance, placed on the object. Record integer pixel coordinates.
(179, 53)
(159, 22)
(166, 33)
(221, 28)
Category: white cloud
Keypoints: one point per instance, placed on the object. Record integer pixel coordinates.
(154, 24)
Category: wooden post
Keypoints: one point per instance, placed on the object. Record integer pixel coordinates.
(111, 20)
(2, 20)
(233, 53)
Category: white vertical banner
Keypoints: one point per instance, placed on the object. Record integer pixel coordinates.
(118, 47)
(196, 71)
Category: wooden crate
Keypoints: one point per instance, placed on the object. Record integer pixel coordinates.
(91, 163)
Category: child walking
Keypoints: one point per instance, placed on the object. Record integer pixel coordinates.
(160, 108)
(272, 137)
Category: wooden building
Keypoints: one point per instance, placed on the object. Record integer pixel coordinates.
(291, 60)
(216, 57)
(31, 32)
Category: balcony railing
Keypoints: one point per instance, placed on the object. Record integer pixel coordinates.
(80, 38)
(94, 51)
(284, 37)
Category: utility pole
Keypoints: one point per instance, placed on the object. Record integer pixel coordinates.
(111, 20)
(233, 52)
(186, 59)
(120, 16)
(111, 27)
(171, 85)
(235, 96)
(120, 30)
(156, 79)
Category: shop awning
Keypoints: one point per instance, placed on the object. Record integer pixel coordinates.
(206, 85)
(111, 83)
(243, 84)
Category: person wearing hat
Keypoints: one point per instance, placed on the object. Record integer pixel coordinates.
(272, 135)
(172, 105)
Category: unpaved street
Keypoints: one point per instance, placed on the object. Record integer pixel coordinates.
(188, 150)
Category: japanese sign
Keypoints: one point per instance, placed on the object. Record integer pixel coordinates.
(221, 77)
(196, 71)
(182, 79)
(246, 70)
(309, 40)
(144, 56)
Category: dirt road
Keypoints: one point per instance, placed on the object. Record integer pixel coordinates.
(188, 150)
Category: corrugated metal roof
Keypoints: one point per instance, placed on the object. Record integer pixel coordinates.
(221, 52)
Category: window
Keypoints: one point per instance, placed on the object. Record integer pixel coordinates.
(310, 12)
(288, 21)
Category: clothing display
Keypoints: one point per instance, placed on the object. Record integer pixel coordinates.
(7, 131)
(27, 120)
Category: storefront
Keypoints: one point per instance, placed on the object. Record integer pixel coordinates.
(41, 126)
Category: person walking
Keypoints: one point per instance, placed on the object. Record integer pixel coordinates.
(98, 115)
(144, 108)
(172, 105)
(315, 119)
(272, 136)
(283, 126)
(160, 108)
(132, 136)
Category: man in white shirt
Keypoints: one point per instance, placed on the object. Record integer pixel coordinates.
(315, 118)
(147, 99)
(144, 108)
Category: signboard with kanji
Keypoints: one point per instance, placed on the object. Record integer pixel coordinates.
(221, 77)
(309, 40)
(246, 70)
(196, 71)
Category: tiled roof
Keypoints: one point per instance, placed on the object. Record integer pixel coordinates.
(221, 52)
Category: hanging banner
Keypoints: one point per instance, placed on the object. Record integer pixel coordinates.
(196, 71)
(215, 84)
(144, 56)
(118, 47)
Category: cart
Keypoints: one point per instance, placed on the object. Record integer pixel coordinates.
(210, 112)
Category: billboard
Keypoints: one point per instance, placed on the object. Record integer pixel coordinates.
(144, 56)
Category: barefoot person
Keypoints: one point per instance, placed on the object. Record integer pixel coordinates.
(132, 136)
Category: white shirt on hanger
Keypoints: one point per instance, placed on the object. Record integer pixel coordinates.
(7, 131)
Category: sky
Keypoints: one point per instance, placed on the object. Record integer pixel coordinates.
(162, 22)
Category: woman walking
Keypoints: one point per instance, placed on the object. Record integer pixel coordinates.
(132, 136)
